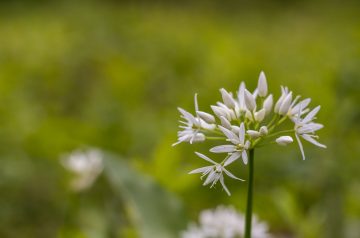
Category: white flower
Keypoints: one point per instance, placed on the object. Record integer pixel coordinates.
(302, 105)
(86, 166)
(284, 140)
(239, 147)
(262, 85)
(306, 129)
(192, 126)
(224, 222)
(214, 173)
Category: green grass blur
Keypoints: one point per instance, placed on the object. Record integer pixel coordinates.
(110, 75)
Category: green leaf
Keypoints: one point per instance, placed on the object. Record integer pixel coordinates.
(154, 211)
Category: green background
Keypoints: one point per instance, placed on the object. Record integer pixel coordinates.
(110, 75)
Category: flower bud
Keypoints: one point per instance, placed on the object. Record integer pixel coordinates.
(263, 131)
(268, 103)
(262, 85)
(253, 134)
(285, 105)
(227, 98)
(206, 117)
(260, 115)
(284, 92)
(284, 140)
(225, 123)
(219, 111)
(249, 100)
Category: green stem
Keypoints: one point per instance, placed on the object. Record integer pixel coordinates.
(248, 218)
(280, 132)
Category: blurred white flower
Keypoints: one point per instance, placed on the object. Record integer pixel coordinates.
(224, 222)
(85, 165)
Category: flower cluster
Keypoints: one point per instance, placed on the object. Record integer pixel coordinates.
(85, 165)
(224, 222)
(245, 121)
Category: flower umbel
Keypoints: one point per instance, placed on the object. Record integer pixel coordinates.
(245, 122)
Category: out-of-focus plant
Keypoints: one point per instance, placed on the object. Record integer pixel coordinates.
(224, 222)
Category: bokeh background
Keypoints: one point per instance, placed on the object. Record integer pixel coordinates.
(108, 74)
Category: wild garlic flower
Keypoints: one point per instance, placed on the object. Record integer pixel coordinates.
(214, 173)
(193, 125)
(248, 120)
(224, 222)
(86, 167)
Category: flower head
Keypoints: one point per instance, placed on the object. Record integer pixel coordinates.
(246, 122)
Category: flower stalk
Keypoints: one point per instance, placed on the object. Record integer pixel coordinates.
(248, 217)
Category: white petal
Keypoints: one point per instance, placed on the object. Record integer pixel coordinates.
(310, 116)
(262, 85)
(242, 133)
(249, 100)
(229, 134)
(244, 157)
(313, 141)
(227, 98)
(234, 156)
(223, 149)
(196, 103)
(219, 111)
(268, 103)
(210, 178)
(227, 172)
(285, 105)
(241, 97)
(303, 104)
(205, 158)
(225, 123)
(260, 115)
(187, 115)
(201, 170)
(224, 186)
(207, 117)
(309, 128)
(280, 100)
(300, 146)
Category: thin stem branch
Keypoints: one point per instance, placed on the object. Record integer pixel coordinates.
(248, 218)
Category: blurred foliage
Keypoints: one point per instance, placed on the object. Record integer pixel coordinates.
(111, 75)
